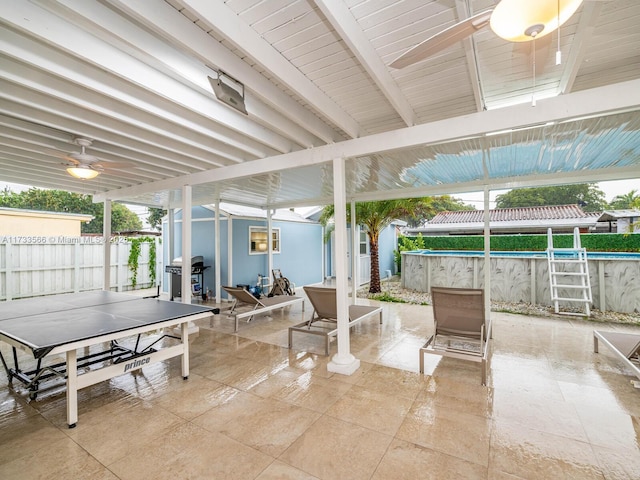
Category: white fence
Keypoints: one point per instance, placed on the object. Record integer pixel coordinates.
(36, 266)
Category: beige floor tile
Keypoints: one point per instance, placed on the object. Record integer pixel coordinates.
(618, 464)
(24, 435)
(550, 416)
(333, 449)
(393, 381)
(281, 471)
(528, 453)
(262, 423)
(191, 398)
(408, 461)
(188, 451)
(313, 392)
(378, 411)
(111, 435)
(448, 431)
(54, 460)
(610, 429)
(474, 399)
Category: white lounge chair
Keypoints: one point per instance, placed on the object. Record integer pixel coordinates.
(262, 305)
(461, 330)
(323, 322)
(625, 346)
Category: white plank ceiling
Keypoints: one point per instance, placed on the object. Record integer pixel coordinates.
(132, 76)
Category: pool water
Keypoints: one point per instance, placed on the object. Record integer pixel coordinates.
(535, 254)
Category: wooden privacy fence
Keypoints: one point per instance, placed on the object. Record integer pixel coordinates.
(33, 266)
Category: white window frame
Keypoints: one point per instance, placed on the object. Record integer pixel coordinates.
(253, 239)
(364, 240)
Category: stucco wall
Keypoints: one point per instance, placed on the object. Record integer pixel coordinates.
(35, 224)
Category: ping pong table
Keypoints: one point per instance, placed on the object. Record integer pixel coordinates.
(63, 324)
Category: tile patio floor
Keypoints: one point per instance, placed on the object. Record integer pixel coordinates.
(252, 409)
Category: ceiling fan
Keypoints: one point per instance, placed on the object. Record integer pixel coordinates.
(513, 20)
(85, 166)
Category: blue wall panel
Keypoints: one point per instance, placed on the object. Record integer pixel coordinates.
(300, 259)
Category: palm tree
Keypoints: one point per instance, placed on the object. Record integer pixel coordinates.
(627, 200)
(375, 217)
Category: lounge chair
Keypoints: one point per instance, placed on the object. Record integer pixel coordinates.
(461, 330)
(325, 315)
(263, 305)
(625, 346)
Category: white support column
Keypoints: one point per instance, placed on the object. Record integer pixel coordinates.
(171, 245)
(229, 251)
(186, 251)
(342, 362)
(269, 244)
(106, 234)
(355, 253)
(217, 266)
(487, 248)
(186, 244)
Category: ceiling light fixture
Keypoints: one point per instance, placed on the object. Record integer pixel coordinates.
(83, 172)
(228, 94)
(512, 18)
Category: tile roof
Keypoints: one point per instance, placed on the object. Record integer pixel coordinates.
(558, 212)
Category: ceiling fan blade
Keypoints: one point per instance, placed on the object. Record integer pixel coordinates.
(444, 39)
(69, 158)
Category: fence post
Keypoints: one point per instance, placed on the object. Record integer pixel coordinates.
(8, 273)
(76, 266)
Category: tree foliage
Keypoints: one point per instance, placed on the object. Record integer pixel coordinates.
(375, 217)
(122, 219)
(624, 201)
(444, 203)
(155, 217)
(587, 195)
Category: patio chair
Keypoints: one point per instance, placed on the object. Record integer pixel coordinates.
(461, 330)
(625, 346)
(324, 319)
(263, 305)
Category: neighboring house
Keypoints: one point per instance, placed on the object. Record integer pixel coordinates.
(297, 245)
(620, 221)
(527, 220)
(34, 223)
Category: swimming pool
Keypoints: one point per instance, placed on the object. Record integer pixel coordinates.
(524, 254)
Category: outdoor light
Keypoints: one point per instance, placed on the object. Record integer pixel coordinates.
(83, 172)
(228, 94)
(512, 19)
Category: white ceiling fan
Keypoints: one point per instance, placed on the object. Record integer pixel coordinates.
(85, 166)
(513, 20)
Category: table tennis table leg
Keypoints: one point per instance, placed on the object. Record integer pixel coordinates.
(185, 349)
(72, 388)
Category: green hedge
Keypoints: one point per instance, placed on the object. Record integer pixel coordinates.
(595, 242)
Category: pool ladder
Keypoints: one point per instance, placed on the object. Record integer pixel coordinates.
(569, 274)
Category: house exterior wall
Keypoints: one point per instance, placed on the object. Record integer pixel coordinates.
(300, 257)
(40, 224)
(387, 243)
